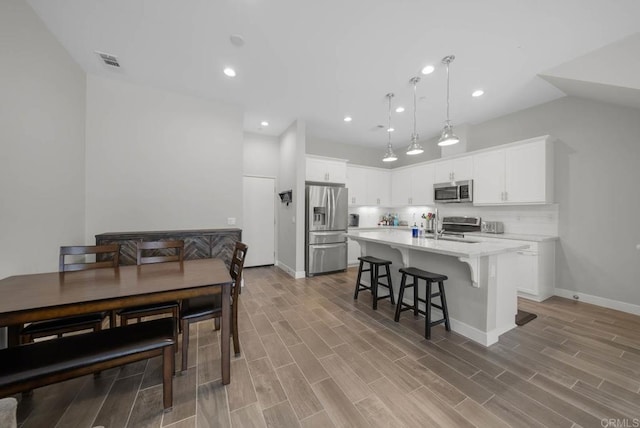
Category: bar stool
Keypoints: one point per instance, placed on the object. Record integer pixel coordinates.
(430, 278)
(374, 269)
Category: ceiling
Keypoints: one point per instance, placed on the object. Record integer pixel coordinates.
(321, 60)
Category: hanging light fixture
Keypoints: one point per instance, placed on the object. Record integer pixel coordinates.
(389, 156)
(448, 138)
(414, 148)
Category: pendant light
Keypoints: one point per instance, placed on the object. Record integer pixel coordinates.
(389, 156)
(448, 138)
(414, 148)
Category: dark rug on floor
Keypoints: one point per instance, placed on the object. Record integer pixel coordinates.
(524, 317)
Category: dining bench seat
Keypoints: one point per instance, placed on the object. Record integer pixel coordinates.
(33, 365)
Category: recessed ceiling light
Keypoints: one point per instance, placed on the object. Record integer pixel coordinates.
(348, 119)
(428, 69)
(399, 109)
(230, 72)
(264, 123)
(390, 129)
(477, 93)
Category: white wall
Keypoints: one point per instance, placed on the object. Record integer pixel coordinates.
(261, 155)
(42, 139)
(157, 160)
(290, 236)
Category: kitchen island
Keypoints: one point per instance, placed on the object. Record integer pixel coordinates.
(481, 290)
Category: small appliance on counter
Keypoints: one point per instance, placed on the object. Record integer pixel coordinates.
(354, 220)
(492, 227)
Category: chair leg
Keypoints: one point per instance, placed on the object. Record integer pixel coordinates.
(443, 302)
(416, 290)
(355, 295)
(234, 332)
(374, 285)
(393, 302)
(168, 368)
(396, 318)
(427, 320)
(112, 319)
(185, 345)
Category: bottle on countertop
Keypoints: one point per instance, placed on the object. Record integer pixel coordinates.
(414, 230)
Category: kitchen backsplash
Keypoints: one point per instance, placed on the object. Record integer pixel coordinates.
(535, 220)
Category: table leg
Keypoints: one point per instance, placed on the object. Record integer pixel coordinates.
(13, 335)
(225, 334)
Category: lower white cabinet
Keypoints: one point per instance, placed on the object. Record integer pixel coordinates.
(535, 268)
(353, 252)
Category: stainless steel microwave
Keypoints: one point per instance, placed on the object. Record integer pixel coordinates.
(460, 191)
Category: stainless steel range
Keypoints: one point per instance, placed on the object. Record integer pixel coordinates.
(460, 225)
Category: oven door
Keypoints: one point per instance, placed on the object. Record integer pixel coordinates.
(445, 193)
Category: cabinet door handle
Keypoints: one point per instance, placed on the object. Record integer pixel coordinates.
(378, 201)
(506, 196)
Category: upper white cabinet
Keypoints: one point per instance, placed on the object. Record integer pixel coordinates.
(401, 187)
(368, 186)
(454, 169)
(412, 185)
(514, 175)
(378, 187)
(326, 170)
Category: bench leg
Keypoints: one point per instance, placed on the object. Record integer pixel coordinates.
(168, 368)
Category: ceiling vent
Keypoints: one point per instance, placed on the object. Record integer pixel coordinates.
(108, 59)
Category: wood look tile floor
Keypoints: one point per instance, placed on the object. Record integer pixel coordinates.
(314, 357)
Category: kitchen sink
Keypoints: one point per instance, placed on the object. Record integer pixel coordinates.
(454, 239)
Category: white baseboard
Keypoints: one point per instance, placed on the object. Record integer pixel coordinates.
(483, 338)
(291, 272)
(599, 301)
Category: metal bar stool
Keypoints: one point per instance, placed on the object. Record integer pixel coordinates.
(430, 278)
(374, 269)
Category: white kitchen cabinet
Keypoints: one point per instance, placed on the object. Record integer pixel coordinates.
(401, 187)
(454, 169)
(422, 179)
(535, 268)
(378, 187)
(489, 177)
(353, 252)
(357, 184)
(368, 186)
(516, 175)
(326, 170)
(413, 185)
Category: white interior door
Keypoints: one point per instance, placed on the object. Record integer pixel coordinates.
(259, 227)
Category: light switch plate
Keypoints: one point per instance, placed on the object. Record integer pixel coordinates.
(231, 221)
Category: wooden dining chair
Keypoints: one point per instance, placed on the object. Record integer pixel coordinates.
(106, 256)
(207, 307)
(148, 252)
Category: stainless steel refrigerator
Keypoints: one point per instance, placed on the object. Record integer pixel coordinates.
(326, 228)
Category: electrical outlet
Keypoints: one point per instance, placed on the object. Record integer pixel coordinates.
(231, 221)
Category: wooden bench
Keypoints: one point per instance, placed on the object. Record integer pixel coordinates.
(33, 365)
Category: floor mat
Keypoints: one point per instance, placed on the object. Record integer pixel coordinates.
(523, 317)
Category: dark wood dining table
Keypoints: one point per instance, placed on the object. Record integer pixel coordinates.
(41, 296)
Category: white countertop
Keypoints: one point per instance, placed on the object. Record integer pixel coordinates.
(511, 236)
(400, 238)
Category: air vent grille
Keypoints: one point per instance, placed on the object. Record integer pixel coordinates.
(108, 59)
